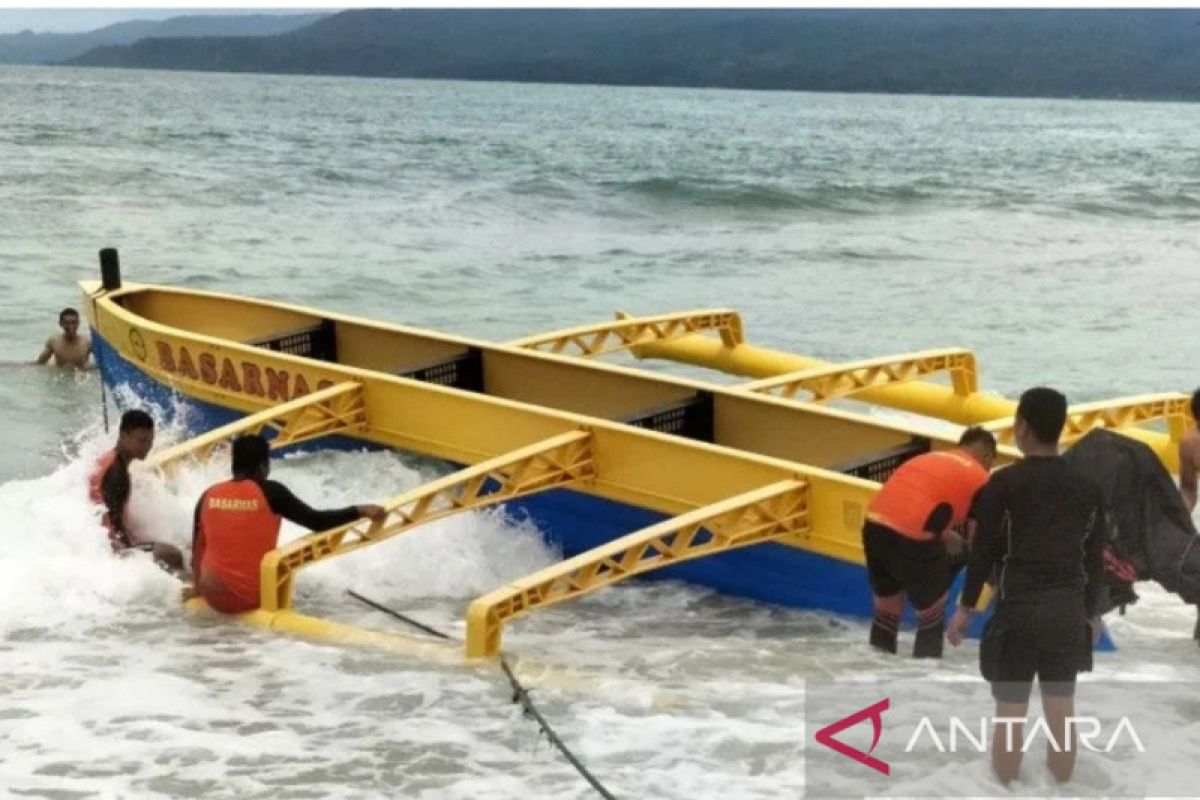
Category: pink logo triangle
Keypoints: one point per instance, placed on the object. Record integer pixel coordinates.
(875, 714)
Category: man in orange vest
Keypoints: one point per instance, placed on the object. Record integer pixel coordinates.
(109, 486)
(911, 533)
(237, 523)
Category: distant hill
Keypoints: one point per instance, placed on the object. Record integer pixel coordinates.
(1039, 53)
(28, 47)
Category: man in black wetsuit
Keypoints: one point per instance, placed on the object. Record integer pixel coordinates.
(1040, 523)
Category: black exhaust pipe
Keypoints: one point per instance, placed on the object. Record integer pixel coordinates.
(110, 269)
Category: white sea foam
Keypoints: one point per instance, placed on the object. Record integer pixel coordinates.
(112, 689)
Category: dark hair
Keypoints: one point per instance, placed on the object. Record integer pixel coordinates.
(135, 419)
(975, 434)
(1045, 410)
(250, 451)
(1196, 405)
(67, 312)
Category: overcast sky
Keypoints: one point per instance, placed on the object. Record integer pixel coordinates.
(75, 20)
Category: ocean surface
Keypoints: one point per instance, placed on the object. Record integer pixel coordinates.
(1058, 239)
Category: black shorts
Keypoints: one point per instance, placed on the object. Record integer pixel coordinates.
(896, 563)
(1050, 641)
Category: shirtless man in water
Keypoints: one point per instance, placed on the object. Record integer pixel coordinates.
(69, 349)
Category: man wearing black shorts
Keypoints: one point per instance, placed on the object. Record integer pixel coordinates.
(1040, 523)
(912, 534)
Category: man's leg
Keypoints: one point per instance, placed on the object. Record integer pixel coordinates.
(1058, 703)
(1065, 650)
(879, 549)
(930, 625)
(1007, 736)
(925, 576)
(885, 626)
(1012, 664)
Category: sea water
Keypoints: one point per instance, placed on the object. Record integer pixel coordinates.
(1057, 239)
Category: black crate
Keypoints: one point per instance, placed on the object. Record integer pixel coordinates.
(880, 466)
(691, 418)
(461, 372)
(318, 341)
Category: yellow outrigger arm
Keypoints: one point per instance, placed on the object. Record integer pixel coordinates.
(761, 515)
(895, 382)
(335, 409)
(844, 380)
(560, 460)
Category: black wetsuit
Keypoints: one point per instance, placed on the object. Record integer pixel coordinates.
(1040, 525)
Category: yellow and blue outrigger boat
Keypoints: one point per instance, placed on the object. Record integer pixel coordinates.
(756, 490)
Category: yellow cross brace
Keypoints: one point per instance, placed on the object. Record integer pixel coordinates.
(760, 515)
(557, 461)
(1116, 413)
(626, 332)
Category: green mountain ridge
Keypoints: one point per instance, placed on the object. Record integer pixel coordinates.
(1151, 54)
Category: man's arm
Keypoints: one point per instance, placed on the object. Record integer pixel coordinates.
(937, 525)
(1187, 469)
(987, 542)
(986, 545)
(46, 353)
(293, 509)
(114, 490)
(198, 542)
(971, 522)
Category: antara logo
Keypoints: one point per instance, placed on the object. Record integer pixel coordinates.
(873, 713)
(1088, 731)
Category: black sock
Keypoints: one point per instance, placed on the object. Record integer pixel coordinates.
(929, 631)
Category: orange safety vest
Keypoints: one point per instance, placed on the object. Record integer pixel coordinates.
(923, 483)
(236, 529)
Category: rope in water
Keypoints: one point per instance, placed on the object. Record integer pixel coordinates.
(520, 695)
(99, 367)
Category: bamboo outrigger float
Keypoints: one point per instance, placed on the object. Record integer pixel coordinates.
(746, 489)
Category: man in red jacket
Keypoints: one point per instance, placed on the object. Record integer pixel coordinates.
(237, 523)
(911, 533)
